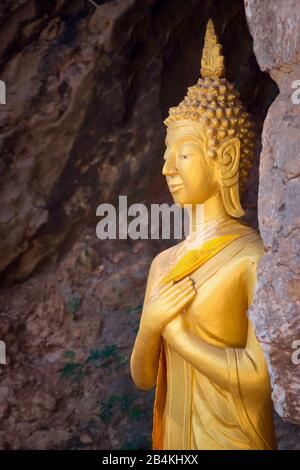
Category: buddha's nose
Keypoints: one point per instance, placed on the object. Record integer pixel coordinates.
(169, 168)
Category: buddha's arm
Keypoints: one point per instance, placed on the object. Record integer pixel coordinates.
(247, 368)
(207, 359)
(215, 363)
(159, 309)
(144, 360)
(146, 350)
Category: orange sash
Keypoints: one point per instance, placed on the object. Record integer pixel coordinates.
(195, 258)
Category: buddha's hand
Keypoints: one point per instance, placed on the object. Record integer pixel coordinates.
(165, 305)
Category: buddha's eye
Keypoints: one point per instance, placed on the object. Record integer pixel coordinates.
(184, 156)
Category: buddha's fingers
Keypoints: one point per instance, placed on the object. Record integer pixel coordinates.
(170, 288)
(158, 291)
(176, 288)
(186, 287)
(164, 289)
(178, 295)
(182, 300)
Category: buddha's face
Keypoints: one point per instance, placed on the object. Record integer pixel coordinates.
(191, 176)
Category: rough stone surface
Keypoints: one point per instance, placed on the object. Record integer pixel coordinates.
(69, 335)
(87, 89)
(58, 141)
(276, 311)
(87, 92)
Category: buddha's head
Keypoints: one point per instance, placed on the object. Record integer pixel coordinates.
(210, 138)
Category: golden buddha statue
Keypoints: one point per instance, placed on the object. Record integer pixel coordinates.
(195, 342)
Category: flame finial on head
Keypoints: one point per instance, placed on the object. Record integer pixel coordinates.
(212, 62)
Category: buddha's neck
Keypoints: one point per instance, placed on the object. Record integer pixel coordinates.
(212, 210)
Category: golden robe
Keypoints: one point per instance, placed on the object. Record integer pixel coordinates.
(192, 412)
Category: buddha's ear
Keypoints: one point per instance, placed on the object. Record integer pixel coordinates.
(229, 163)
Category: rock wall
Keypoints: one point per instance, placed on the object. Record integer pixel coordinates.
(69, 131)
(87, 91)
(276, 312)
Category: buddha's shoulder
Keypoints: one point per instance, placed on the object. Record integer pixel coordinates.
(253, 248)
(164, 257)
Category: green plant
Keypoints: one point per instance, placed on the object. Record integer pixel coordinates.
(121, 402)
(73, 305)
(77, 370)
(106, 409)
(107, 352)
(141, 442)
(135, 413)
(69, 354)
(72, 370)
(135, 309)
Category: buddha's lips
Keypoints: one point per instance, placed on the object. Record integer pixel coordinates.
(175, 187)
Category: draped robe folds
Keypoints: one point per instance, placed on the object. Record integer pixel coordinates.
(191, 411)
